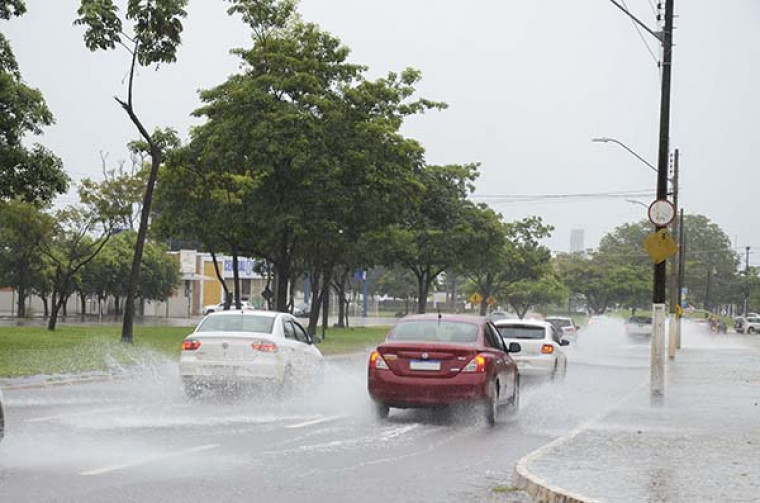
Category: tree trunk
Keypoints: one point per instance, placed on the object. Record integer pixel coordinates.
(142, 232)
(83, 304)
(116, 305)
(315, 304)
(219, 276)
(45, 306)
(65, 305)
(236, 278)
(21, 301)
(422, 292)
(483, 307)
(282, 280)
(325, 306)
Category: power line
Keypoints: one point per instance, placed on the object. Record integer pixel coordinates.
(641, 36)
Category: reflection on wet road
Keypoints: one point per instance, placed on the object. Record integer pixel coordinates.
(140, 439)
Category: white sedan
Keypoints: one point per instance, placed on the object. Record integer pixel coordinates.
(541, 346)
(248, 348)
(212, 308)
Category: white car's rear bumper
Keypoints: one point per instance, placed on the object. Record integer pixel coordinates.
(535, 365)
(263, 370)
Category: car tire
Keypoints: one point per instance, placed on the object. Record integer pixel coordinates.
(381, 410)
(751, 330)
(492, 405)
(192, 389)
(514, 405)
(555, 375)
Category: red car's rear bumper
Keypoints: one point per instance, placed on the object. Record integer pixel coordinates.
(407, 391)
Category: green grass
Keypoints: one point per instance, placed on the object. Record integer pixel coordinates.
(505, 489)
(72, 349)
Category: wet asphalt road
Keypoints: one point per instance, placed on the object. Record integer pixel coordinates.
(139, 439)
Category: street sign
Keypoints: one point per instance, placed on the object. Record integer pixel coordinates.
(476, 298)
(661, 212)
(660, 245)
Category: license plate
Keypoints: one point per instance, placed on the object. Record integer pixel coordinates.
(424, 365)
(222, 370)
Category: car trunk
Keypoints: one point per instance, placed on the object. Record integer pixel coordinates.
(426, 360)
(228, 346)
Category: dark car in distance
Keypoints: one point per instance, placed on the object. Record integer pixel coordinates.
(438, 360)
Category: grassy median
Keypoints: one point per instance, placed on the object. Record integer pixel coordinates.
(72, 349)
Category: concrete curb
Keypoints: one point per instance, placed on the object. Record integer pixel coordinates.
(542, 491)
(539, 489)
(62, 382)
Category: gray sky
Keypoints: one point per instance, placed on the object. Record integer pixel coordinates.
(529, 83)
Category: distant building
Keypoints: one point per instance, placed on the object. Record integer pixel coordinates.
(577, 240)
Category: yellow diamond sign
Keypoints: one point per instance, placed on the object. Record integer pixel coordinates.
(476, 298)
(660, 245)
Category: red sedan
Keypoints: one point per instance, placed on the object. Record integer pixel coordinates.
(437, 360)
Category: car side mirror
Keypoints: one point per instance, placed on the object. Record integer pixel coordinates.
(514, 347)
(564, 342)
(577, 327)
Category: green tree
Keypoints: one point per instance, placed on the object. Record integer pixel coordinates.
(525, 294)
(23, 227)
(34, 175)
(155, 35)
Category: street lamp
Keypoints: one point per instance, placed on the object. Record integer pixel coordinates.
(604, 139)
(635, 201)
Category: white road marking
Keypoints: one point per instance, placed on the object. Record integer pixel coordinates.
(74, 414)
(315, 421)
(149, 459)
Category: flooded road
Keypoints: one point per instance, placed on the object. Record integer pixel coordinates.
(140, 439)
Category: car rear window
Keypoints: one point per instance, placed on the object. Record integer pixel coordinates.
(522, 332)
(558, 322)
(643, 320)
(242, 323)
(435, 331)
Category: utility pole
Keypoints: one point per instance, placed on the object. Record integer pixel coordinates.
(681, 263)
(746, 278)
(657, 369)
(675, 324)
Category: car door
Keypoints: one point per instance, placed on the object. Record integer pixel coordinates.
(312, 354)
(292, 350)
(501, 362)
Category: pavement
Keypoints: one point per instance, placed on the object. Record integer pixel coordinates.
(697, 443)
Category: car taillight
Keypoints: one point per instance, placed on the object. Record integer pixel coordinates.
(191, 345)
(547, 349)
(264, 346)
(477, 364)
(376, 361)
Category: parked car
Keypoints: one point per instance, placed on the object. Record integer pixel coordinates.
(2, 417)
(542, 347)
(751, 325)
(248, 348)
(302, 310)
(439, 360)
(639, 326)
(212, 308)
(566, 325)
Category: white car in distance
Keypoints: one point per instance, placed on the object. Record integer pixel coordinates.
(213, 308)
(541, 345)
(248, 348)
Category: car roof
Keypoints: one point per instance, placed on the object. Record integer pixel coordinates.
(535, 323)
(465, 318)
(238, 312)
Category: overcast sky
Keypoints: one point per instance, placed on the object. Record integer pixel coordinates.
(529, 84)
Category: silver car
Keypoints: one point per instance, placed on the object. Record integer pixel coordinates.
(639, 326)
(542, 347)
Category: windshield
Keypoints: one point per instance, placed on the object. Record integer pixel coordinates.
(247, 323)
(435, 331)
(522, 332)
(642, 320)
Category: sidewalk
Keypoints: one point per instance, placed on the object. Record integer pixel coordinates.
(699, 443)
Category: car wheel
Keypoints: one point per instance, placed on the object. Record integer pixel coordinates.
(554, 376)
(514, 405)
(492, 406)
(192, 389)
(751, 330)
(381, 410)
